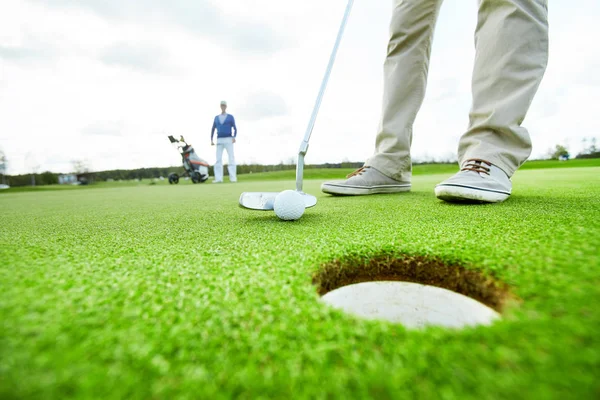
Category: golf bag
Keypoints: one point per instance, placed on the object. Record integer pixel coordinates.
(195, 167)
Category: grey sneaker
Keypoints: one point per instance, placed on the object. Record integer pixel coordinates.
(478, 181)
(365, 180)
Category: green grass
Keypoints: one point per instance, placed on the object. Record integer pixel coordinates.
(149, 292)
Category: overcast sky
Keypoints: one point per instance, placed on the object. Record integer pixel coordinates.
(107, 80)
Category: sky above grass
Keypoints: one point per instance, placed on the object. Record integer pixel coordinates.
(106, 81)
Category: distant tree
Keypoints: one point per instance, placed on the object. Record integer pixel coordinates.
(590, 148)
(32, 164)
(559, 151)
(80, 166)
(3, 165)
(48, 178)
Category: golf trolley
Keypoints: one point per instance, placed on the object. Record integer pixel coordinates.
(195, 167)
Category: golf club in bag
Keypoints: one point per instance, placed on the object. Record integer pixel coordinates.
(195, 167)
(265, 200)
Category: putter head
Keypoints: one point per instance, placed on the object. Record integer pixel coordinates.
(265, 200)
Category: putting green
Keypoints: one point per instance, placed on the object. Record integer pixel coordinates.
(157, 291)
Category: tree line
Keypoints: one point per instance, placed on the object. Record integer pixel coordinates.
(591, 150)
(52, 178)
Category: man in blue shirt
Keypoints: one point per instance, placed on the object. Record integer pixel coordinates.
(224, 124)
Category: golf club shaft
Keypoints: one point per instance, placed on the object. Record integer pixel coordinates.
(313, 118)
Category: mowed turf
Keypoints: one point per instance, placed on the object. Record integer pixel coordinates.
(176, 292)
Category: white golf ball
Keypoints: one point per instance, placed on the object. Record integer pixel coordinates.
(289, 205)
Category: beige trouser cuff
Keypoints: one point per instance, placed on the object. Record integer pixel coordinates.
(511, 43)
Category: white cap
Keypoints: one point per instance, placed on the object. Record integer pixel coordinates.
(223, 103)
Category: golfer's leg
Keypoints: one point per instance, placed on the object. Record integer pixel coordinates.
(231, 167)
(511, 43)
(405, 78)
(219, 164)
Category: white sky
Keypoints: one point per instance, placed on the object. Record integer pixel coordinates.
(106, 80)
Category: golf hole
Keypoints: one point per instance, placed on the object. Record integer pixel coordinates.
(413, 291)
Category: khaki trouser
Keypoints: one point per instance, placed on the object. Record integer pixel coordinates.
(511, 53)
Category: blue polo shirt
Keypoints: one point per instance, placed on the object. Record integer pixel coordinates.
(225, 129)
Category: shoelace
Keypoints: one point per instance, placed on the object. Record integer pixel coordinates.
(357, 172)
(476, 165)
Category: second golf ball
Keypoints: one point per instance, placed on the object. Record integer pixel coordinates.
(289, 205)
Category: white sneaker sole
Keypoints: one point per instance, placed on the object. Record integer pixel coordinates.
(455, 193)
(349, 190)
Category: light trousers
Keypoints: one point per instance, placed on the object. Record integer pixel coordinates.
(225, 144)
(511, 54)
